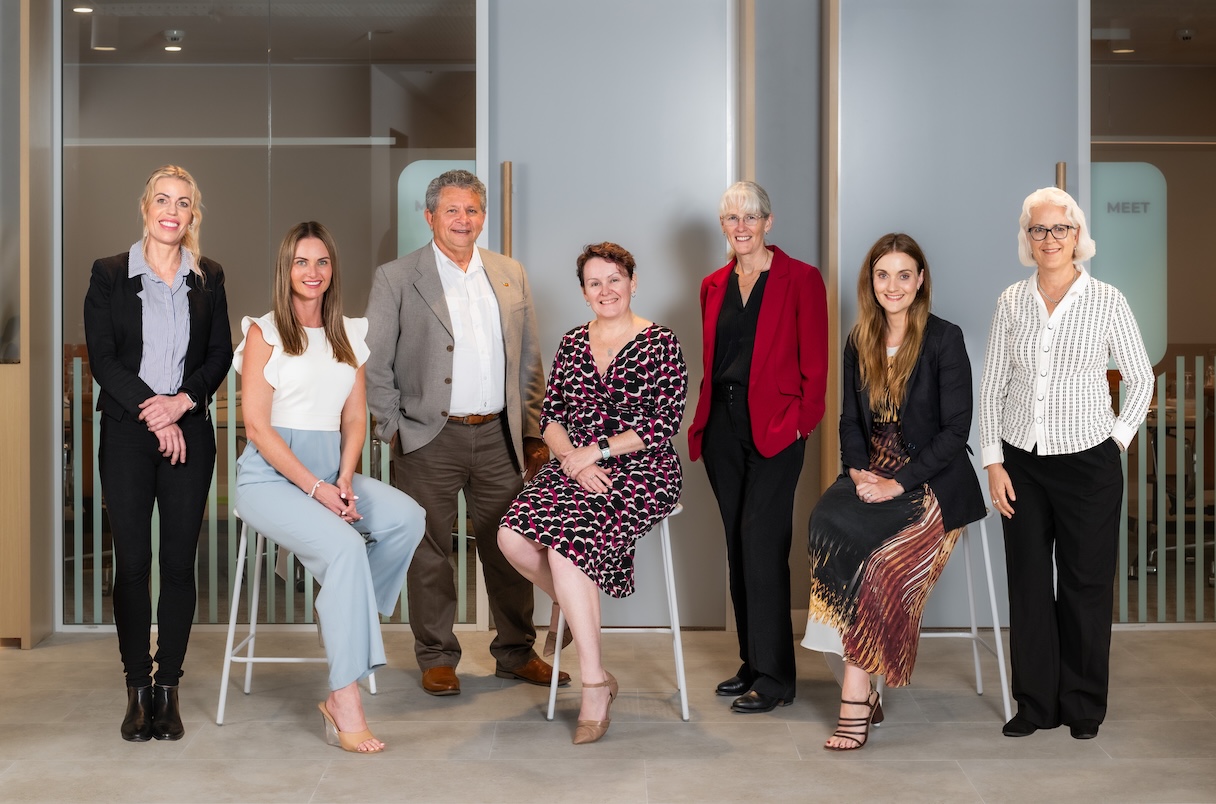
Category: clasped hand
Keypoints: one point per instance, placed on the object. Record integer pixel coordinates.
(874, 489)
(580, 465)
(340, 498)
(160, 414)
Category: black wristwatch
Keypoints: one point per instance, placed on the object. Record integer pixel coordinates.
(605, 453)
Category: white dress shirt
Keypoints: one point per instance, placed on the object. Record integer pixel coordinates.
(1044, 381)
(479, 361)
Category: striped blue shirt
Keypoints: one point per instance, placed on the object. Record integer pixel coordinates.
(166, 318)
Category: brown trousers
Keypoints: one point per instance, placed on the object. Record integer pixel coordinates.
(477, 460)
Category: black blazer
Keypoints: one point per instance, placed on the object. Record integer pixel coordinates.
(935, 420)
(114, 332)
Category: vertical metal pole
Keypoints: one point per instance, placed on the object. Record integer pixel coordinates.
(1062, 175)
(506, 208)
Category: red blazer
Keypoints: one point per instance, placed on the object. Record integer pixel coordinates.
(789, 373)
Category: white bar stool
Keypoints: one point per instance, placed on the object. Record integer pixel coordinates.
(996, 647)
(673, 629)
(232, 652)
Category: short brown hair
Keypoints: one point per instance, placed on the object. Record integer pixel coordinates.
(606, 251)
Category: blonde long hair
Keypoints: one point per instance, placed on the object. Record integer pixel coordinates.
(887, 380)
(190, 240)
(291, 332)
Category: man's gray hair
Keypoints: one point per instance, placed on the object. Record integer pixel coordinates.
(461, 179)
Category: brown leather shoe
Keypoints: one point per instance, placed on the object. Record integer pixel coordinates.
(441, 681)
(536, 672)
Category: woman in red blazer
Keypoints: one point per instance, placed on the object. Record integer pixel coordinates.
(765, 329)
(156, 323)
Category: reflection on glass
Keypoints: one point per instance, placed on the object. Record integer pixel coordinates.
(283, 111)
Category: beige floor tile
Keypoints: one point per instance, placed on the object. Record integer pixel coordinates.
(1159, 740)
(737, 742)
(1081, 781)
(203, 782)
(491, 743)
(579, 780)
(1155, 703)
(85, 741)
(695, 781)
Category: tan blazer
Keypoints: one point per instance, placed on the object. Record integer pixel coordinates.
(409, 372)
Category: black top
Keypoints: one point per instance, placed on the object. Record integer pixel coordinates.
(736, 336)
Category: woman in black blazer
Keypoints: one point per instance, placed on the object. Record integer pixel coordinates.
(156, 323)
(881, 535)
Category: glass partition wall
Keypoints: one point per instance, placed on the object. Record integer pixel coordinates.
(283, 111)
(1154, 164)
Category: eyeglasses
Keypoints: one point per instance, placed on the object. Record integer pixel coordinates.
(750, 220)
(1059, 231)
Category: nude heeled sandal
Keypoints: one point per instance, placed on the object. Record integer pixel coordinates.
(346, 740)
(589, 731)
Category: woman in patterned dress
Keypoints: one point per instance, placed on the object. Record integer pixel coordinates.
(614, 401)
(882, 533)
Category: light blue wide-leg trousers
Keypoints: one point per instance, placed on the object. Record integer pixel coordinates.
(361, 566)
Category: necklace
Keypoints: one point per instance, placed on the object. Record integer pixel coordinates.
(1062, 295)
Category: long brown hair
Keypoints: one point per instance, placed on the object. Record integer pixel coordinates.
(190, 240)
(887, 380)
(291, 332)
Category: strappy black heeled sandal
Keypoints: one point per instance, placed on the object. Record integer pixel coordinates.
(855, 729)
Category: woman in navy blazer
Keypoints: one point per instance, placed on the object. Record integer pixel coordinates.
(156, 324)
(765, 373)
(882, 533)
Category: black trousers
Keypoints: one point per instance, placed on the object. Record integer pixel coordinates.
(756, 497)
(134, 475)
(1067, 506)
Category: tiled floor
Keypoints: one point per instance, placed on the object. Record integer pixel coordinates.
(61, 703)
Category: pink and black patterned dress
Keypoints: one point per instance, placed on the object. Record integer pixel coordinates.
(643, 389)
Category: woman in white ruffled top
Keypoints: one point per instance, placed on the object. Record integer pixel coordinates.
(304, 404)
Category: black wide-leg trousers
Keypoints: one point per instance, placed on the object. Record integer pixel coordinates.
(134, 475)
(1067, 507)
(756, 498)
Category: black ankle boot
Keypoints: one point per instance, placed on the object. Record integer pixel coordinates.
(137, 723)
(166, 716)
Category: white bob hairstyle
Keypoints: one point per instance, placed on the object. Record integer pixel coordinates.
(1054, 196)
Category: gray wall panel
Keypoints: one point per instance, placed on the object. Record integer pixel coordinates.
(945, 128)
(615, 118)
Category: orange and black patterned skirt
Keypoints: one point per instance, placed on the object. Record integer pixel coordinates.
(874, 564)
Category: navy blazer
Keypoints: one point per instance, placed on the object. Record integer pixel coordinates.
(114, 332)
(935, 420)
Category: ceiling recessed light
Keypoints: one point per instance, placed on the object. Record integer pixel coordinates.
(82, 8)
(104, 35)
(173, 48)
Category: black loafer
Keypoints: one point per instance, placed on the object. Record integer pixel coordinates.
(137, 723)
(754, 702)
(1084, 729)
(733, 686)
(1019, 727)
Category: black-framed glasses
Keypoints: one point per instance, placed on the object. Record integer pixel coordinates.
(1059, 231)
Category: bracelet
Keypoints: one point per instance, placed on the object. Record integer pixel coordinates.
(315, 486)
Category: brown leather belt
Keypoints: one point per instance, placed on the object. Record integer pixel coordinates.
(476, 418)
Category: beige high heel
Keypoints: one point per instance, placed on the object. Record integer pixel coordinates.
(589, 731)
(346, 740)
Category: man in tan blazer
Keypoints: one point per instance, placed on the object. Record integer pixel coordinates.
(455, 383)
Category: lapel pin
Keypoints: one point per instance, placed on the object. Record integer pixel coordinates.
(506, 284)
